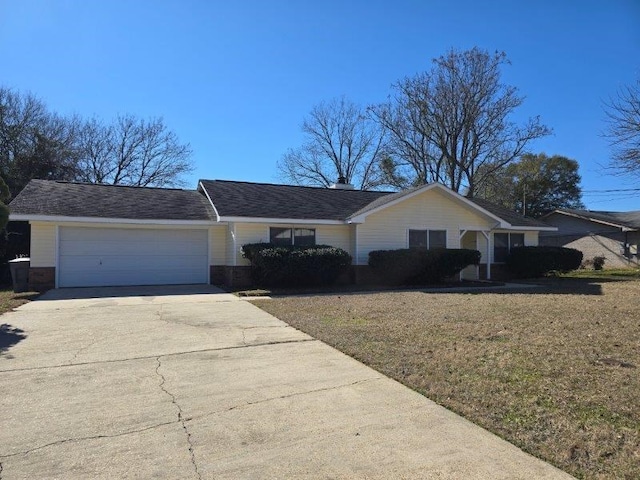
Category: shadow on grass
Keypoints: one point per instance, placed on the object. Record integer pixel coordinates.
(10, 336)
(541, 286)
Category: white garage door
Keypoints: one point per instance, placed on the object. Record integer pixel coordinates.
(91, 257)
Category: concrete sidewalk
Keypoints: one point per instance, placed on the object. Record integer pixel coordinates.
(181, 383)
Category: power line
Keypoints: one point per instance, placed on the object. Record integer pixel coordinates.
(613, 190)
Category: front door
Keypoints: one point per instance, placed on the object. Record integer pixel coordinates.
(469, 240)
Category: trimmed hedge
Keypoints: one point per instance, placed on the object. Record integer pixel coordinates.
(295, 266)
(538, 261)
(416, 266)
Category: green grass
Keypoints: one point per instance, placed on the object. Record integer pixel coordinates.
(612, 273)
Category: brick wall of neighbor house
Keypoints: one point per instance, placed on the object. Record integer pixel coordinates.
(42, 278)
(611, 247)
(592, 239)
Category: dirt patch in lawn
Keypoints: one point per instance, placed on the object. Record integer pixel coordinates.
(555, 371)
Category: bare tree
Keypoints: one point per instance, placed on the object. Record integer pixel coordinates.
(132, 151)
(34, 143)
(623, 117)
(341, 141)
(451, 124)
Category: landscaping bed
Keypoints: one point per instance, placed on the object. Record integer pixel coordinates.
(554, 370)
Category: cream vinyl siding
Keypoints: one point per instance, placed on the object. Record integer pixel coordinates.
(229, 243)
(482, 245)
(387, 229)
(338, 236)
(43, 244)
(531, 239)
(218, 245)
(334, 235)
(249, 233)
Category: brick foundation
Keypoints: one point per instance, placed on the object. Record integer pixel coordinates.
(240, 276)
(42, 279)
(498, 272)
(217, 274)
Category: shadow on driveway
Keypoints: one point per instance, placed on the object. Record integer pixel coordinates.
(9, 336)
(136, 291)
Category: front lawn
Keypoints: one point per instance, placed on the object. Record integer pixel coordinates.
(555, 371)
(10, 300)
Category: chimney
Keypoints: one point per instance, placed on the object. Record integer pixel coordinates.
(342, 184)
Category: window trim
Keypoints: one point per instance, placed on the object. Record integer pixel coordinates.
(509, 247)
(293, 229)
(421, 229)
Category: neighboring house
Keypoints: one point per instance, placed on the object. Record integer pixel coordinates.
(612, 235)
(93, 235)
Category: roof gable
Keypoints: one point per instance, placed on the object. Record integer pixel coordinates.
(504, 217)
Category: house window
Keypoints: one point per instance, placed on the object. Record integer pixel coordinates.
(503, 243)
(427, 239)
(302, 237)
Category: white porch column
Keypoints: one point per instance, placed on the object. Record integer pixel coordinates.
(487, 235)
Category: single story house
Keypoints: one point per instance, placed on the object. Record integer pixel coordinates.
(612, 235)
(99, 235)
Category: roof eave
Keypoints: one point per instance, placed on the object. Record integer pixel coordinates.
(622, 228)
(108, 220)
(288, 221)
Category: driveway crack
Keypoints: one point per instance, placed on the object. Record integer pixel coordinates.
(181, 418)
(80, 350)
(289, 395)
(155, 356)
(80, 439)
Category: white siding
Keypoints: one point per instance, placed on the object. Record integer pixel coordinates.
(43, 244)
(218, 244)
(387, 229)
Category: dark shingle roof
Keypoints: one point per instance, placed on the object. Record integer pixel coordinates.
(264, 200)
(55, 198)
(513, 218)
(231, 199)
(623, 219)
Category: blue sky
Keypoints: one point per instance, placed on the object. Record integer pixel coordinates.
(236, 78)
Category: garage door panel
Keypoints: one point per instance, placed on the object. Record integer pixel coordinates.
(123, 256)
(106, 248)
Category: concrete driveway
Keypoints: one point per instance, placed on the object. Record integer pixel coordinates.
(193, 383)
